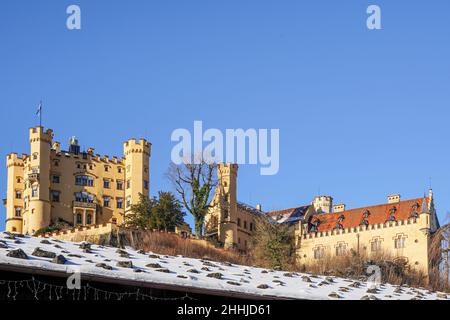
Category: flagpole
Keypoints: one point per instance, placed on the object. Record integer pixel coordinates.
(40, 113)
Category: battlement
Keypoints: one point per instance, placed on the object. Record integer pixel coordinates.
(227, 168)
(13, 159)
(338, 232)
(39, 134)
(136, 146)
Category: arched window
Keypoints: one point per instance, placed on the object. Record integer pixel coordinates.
(89, 218)
(79, 218)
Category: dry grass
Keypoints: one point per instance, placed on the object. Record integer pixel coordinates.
(173, 244)
(354, 266)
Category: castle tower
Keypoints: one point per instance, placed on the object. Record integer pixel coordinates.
(37, 177)
(322, 204)
(15, 187)
(227, 174)
(137, 170)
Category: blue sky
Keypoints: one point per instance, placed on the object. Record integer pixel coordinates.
(362, 114)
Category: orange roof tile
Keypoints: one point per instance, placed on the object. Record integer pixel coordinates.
(377, 214)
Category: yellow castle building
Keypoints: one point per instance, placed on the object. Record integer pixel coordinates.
(81, 188)
(397, 229)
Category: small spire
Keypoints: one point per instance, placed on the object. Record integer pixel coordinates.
(425, 208)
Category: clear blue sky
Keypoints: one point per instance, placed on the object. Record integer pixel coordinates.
(362, 114)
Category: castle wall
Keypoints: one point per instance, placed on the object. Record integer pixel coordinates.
(360, 239)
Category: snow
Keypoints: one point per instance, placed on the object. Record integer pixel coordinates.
(293, 285)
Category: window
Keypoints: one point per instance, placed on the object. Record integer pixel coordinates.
(89, 218)
(18, 212)
(114, 220)
(55, 196)
(84, 181)
(78, 166)
(251, 226)
(84, 197)
(18, 194)
(106, 168)
(119, 170)
(239, 222)
(106, 201)
(119, 203)
(19, 180)
(145, 184)
(35, 156)
(341, 250)
(128, 184)
(56, 163)
(119, 185)
(319, 253)
(90, 167)
(245, 224)
(399, 243)
(128, 202)
(55, 179)
(34, 191)
(79, 218)
(106, 184)
(375, 245)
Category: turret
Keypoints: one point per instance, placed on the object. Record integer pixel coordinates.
(37, 174)
(227, 174)
(322, 204)
(15, 196)
(137, 170)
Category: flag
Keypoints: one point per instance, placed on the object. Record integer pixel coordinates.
(39, 110)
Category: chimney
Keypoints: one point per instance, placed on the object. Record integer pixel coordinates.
(259, 207)
(395, 198)
(339, 208)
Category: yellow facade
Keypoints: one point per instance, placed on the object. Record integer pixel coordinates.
(81, 188)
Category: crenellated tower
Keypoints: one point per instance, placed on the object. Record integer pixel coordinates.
(137, 170)
(37, 179)
(227, 174)
(15, 186)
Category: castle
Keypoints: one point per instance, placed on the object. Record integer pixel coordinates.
(89, 191)
(81, 188)
(400, 229)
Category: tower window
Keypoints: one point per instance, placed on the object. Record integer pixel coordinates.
(55, 179)
(55, 196)
(106, 168)
(106, 184)
(84, 181)
(119, 203)
(18, 212)
(34, 191)
(18, 194)
(106, 202)
(119, 170)
(119, 185)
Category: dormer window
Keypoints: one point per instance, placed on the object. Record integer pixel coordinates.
(414, 210)
(339, 226)
(391, 217)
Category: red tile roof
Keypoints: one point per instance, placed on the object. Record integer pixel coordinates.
(377, 214)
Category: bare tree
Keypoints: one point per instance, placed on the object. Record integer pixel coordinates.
(439, 256)
(194, 183)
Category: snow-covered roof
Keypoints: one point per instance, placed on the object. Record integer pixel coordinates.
(94, 261)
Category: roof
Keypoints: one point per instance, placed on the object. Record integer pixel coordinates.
(377, 214)
(249, 208)
(290, 215)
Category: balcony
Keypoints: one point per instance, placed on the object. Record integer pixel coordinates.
(85, 205)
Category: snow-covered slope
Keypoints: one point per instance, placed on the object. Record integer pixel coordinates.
(194, 273)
